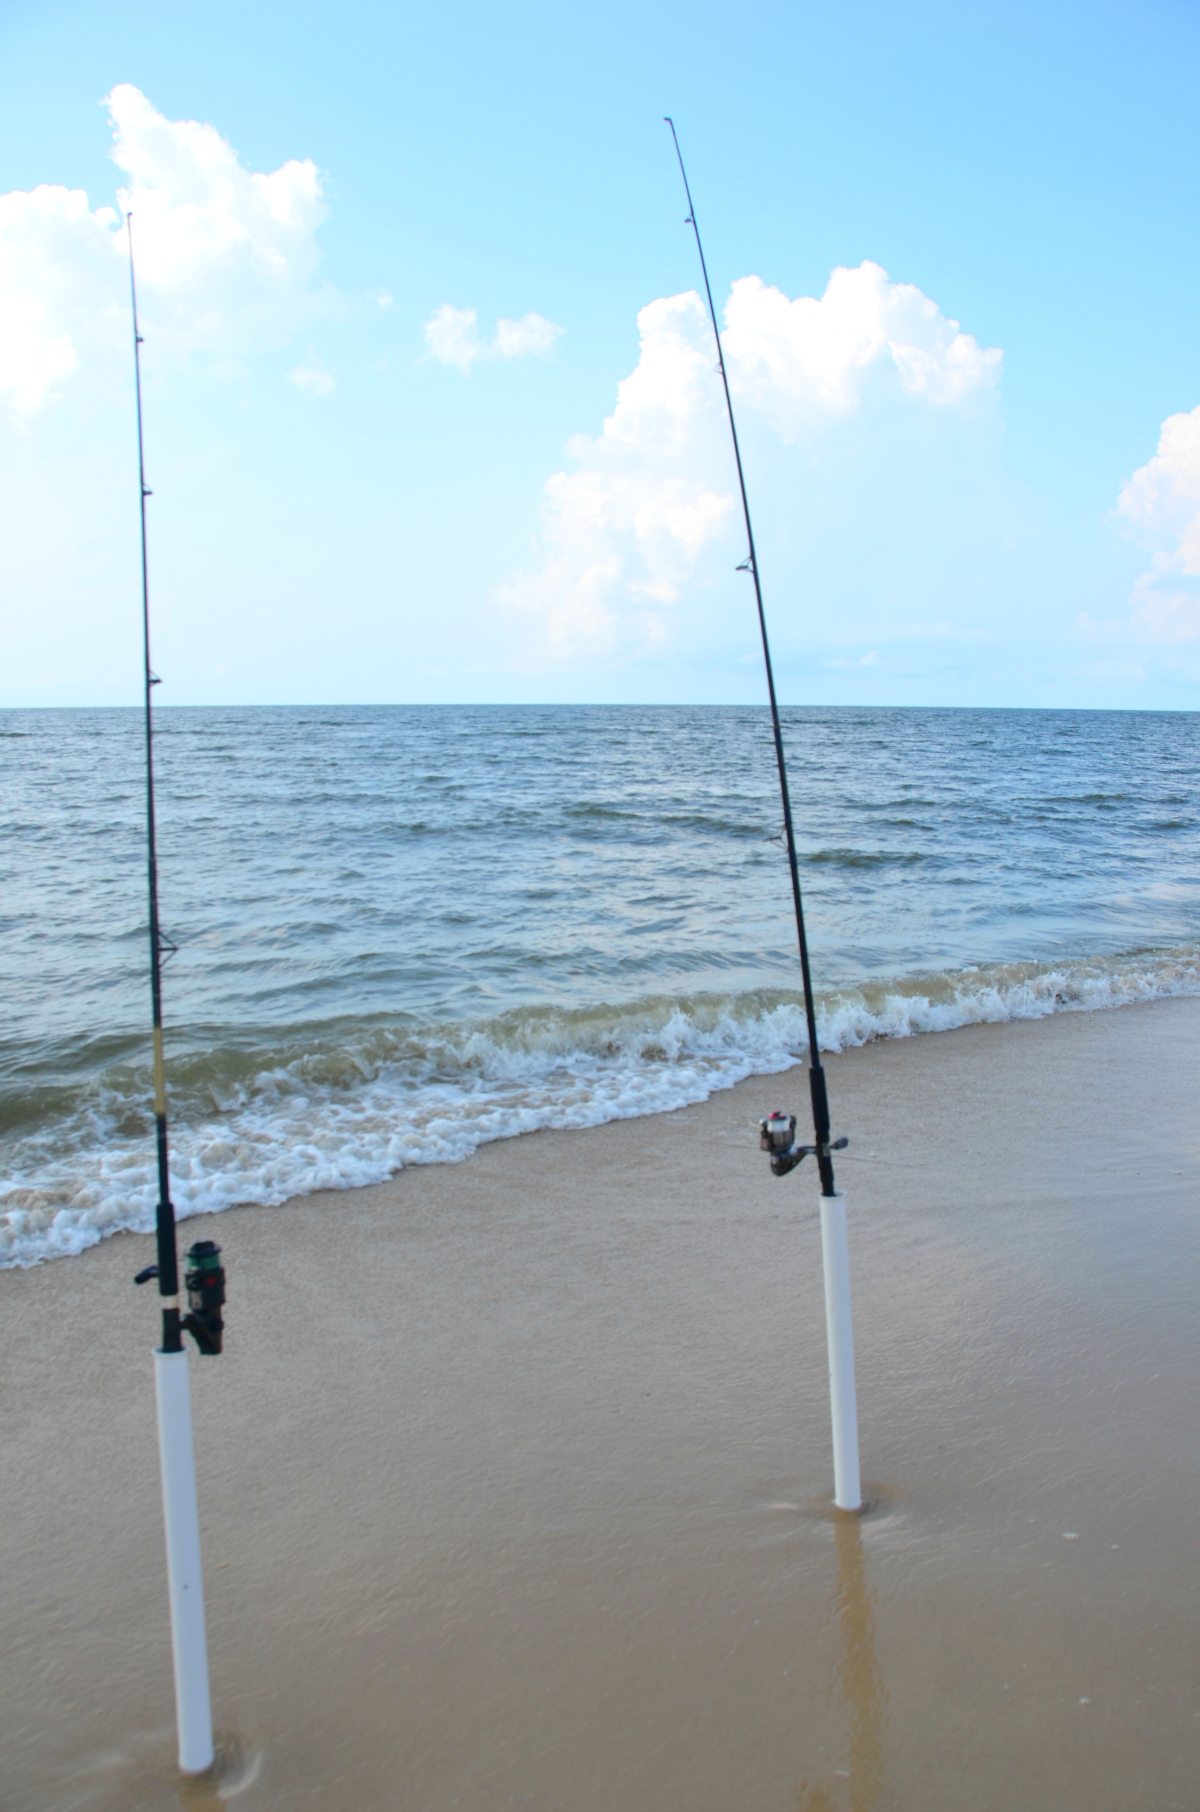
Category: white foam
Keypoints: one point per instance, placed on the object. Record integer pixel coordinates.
(356, 1110)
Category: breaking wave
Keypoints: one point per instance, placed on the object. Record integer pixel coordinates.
(261, 1118)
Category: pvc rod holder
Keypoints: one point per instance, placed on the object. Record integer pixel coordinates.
(839, 1328)
(193, 1710)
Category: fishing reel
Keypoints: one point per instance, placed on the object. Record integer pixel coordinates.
(778, 1136)
(204, 1280)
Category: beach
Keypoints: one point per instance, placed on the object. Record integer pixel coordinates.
(435, 842)
(515, 1481)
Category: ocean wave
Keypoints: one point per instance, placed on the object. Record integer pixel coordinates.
(332, 1106)
(868, 858)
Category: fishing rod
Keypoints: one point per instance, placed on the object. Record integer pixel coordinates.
(167, 1268)
(204, 1276)
(205, 1291)
(777, 1136)
(778, 1130)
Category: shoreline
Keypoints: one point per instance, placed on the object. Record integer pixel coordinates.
(351, 1106)
(515, 1474)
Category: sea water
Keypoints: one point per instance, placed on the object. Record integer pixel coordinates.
(403, 931)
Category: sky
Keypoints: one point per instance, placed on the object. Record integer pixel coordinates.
(431, 407)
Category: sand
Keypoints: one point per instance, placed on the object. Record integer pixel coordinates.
(516, 1485)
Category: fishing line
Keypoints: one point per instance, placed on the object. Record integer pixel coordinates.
(816, 1072)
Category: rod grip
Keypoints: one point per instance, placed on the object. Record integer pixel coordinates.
(820, 1103)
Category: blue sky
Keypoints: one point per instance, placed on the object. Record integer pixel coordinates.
(974, 456)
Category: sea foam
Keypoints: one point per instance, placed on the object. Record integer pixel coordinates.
(343, 1104)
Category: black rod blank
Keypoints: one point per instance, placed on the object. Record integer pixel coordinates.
(168, 1263)
(816, 1072)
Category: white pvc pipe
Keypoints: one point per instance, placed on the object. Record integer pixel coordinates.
(835, 1250)
(193, 1713)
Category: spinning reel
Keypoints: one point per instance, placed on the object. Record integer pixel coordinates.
(778, 1136)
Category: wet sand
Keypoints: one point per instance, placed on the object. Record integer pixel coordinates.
(515, 1476)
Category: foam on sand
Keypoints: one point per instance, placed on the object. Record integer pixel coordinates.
(339, 1105)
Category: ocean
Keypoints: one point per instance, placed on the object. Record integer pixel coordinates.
(405, 931)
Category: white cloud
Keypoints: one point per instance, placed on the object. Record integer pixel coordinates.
(39, 230)
(452, 337)
(1162, 502)
(225, 255)
(864, 337)
(311, 376)
(619, 533)
(56, 264)
(624, 530)
(531, 334)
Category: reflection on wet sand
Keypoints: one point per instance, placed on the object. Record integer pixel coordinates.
(234, 1770)
(857, 1675)
(535, 1510)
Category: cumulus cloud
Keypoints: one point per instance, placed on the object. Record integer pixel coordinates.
(1162, 503)
(225, 255)
(452, 337)
(864, 338)
(57, 267)
(45, 234)
(654, 493)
